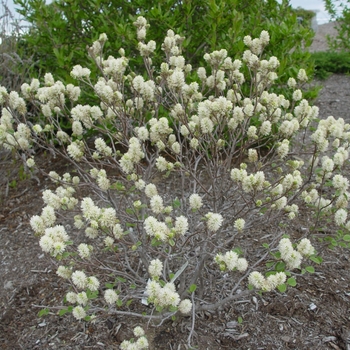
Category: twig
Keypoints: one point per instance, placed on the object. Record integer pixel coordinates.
(193, 321)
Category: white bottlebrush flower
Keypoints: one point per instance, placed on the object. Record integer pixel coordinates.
(37, 223)
(30, 162)
(138, 331)
(340, 183)
(84, 250)
(155, 268)
(142, 343)
(302, 75)
(151, 190)
(109, 242)
(46, 243)
(305, 248)
(140, 184)
(78, 222)
(283, 149)
(92, 283)
(142, 133)
(294, 261)
(156, 203)
(111, 296)
(185, 306)
(64, 272)
(79, 312)
(275, 280)
(252, 155)
(239, 224)
(79, 279)
(340, 216)
(77, 128)
(256, 279)
(195, 201)
(286, 248)
(71, 297)
(181, 225)
(117, 231)
(214, 221)
(297, 95)
(242, 264)
(194, 143)
(82, 298)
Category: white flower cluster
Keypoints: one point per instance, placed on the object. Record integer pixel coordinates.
(196, 201)
(132, 156)
(46, 219)
(54, 240)
(78, 72)
(161, 230)
(10, 139)
(140, 343)
(230, 261)
(155, 269)
(98, 218)
(294, 257)
(172, 44)
(145, 90)
(81, 281)
(159, 131)
(166, 296)
(64, 272)
(330, 127)
(111, 296)
(115, 67)
(249, 183)
(62, 198)
(268, 284)
(214, 221)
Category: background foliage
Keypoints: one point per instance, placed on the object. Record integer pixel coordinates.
(340, 12)
(60, 31)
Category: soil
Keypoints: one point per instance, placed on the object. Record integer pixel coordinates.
(313, 315)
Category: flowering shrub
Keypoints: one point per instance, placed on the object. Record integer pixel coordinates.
(182, 174)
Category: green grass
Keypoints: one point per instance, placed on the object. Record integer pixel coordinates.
(327, 63)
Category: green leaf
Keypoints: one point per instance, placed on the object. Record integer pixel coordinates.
(346, 238)
(119, 303)
(265, 245)
(292, 282)
(316, 259)
(176, 203)
(109, 285)
(310, 269)
(282, 287)
(240, 320)
(121, 279)
(129, 211)
(92, 295)
(63, 312)
(280, 266)
(43, 312)
(270, 264)
(238, 250)
(133, 286)
(171, 242)
(128, 303)
(193, 288)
